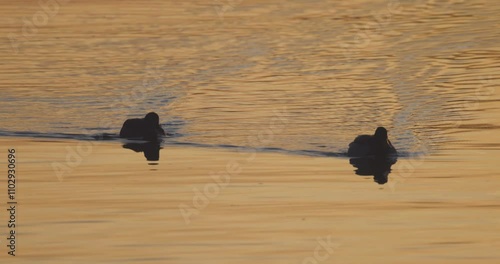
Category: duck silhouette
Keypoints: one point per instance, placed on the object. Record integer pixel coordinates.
(372, 145)
(147, 128)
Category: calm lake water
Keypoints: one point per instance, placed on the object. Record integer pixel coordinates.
(285, 77)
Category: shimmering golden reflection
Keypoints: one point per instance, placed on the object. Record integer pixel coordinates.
(220, 75)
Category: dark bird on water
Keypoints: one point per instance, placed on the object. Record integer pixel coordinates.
(147, 128)
(372, 145)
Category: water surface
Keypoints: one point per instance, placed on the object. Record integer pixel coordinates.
(229, 77)
(217, 78)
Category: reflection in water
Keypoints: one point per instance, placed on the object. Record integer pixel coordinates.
(378, 166)
(151, 150)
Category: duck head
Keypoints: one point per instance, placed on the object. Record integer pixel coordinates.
(381, 133)
(153, 120)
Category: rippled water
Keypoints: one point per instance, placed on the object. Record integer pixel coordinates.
(287, 76)
(221, 73)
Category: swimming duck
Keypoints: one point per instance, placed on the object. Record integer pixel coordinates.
(372, 145)
(147, 128)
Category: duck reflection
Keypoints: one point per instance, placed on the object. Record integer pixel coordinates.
(147, 128)
(373, 155)
(151, 149)
(377, 166)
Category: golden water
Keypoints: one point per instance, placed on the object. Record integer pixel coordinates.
(222, 73)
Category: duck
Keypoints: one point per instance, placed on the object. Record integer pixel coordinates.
(377, 144)
(147, 128)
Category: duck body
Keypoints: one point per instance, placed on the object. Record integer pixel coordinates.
(372, 145)
(147, 128)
